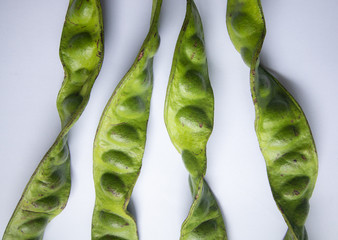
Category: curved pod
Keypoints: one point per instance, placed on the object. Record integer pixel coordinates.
(282, 129)
(120, 141)
(189, 115)
(81, 53)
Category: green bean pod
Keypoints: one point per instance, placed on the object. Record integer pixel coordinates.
(81, 53)
(282, 130)
(120, 141)
(189, 115)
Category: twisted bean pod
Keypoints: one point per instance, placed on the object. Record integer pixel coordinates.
(120, 141)
(81, 53)
(189, 113)
(283, 132)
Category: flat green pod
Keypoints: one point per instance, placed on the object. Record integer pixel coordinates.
(189, 116)
(81, 53)
(246, 27)
(289, 150)
(120, 141)
(282, 130)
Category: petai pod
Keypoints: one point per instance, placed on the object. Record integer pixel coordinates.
(81, 53)
(283, 132)
(120, 141)
(189, 114)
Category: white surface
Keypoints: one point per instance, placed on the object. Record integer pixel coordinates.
(300, 47)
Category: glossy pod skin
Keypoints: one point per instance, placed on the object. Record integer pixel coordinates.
(120, 141)
(189, 114)
(283, 132)
(81, 53)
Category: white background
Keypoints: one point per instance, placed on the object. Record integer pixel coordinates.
(300, 48)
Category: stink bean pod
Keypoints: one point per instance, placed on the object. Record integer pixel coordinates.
(120, 141)
(188, 115)
(81, 54)
(282, 130)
